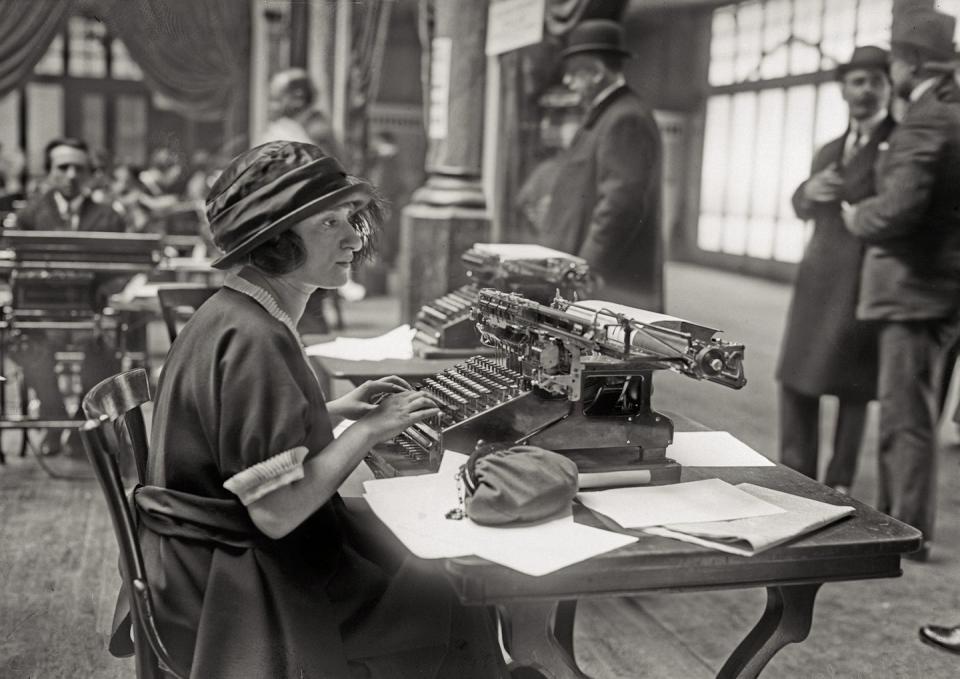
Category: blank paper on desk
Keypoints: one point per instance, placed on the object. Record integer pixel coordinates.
(414, 508)
(753, 535)
(706, 500)
(713, 449)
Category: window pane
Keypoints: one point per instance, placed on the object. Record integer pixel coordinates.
(122, 65)
(723, 46)
(131, 132)
(51, 63)
(765, 188)
(715, 145)
(740, 173)
(93, 113)
(88, 58)
(873, 22)
(805, 51)
(832, 117)
(840, 21)
(749, 41)
(776, 34)
(44, 121)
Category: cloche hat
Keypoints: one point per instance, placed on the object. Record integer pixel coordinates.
(595, 35)
(271, 187)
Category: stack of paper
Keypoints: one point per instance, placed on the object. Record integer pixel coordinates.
(414, 508)
(396, 344)
(694, 501)
(713, 449)
(748, 536)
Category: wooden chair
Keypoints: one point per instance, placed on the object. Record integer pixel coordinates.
(178, 302)
(118, 400)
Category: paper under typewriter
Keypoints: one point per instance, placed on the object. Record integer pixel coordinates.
(444, 326)
(574, 377)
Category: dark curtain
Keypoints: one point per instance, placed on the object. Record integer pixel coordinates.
(26, 29)
(562, 15)
(370, 26)
(194, 53)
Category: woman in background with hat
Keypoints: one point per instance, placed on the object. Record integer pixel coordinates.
(256, 564)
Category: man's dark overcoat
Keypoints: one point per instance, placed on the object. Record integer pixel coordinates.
(911, 270)
(606, 202)
(826, 350)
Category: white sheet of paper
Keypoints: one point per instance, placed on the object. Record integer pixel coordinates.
(513, 251)
(415, 507)
(706, 500)
(714, 449)
(396, 344)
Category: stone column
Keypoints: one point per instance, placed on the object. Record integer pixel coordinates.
(448, 213)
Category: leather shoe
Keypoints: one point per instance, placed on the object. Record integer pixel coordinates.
(946, 638)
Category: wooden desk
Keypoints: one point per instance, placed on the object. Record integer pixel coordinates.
(540, 611)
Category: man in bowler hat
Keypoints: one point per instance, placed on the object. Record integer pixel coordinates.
(910, 282)
(605, 204)
(826, 350)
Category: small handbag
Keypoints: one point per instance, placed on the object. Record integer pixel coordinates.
(517, 484)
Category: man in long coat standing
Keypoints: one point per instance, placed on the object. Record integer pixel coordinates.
(911, 271)
(826, 350)
(605, 205)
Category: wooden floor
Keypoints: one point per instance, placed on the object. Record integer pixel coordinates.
(58, 558)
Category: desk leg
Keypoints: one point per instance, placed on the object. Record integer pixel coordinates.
(530, 634)
(786, 620)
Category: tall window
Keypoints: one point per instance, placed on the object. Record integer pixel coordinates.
(773, 101)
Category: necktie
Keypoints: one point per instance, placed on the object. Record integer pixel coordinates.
(852, 148)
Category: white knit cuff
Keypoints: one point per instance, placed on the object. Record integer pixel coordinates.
(265, 477)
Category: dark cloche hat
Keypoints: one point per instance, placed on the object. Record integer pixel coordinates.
(595, 35)
(271, 187)
(866, 56)
(924, 28)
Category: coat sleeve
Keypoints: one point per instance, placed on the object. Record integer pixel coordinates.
(27, 216)
(905, 187)
(627, 171)
(804, 208)
(265, 414)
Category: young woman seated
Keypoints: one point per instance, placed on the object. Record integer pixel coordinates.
(258, 567)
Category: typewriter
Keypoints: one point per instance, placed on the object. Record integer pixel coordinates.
(444, 327)
(573, 377)
(52, 273)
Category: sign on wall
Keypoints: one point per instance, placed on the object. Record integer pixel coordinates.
(512, 24)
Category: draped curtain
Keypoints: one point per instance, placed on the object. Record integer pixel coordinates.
(371, 21)
(193, 53)
(26, 30)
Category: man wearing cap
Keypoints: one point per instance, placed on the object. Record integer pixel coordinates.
(605, 204)
(826, 350)
(910, 281)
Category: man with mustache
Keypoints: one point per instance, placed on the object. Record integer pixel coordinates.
(826, 350)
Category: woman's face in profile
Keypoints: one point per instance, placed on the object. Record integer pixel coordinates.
(331, 242)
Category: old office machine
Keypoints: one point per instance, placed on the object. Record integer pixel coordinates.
(444, 327)
(574, 377)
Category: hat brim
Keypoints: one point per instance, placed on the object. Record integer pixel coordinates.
(843, 69)
(361, 194)
(594, 47)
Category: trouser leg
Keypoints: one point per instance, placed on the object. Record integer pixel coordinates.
(799, 431)
(851, 417)
(36, 356)
(908, 397)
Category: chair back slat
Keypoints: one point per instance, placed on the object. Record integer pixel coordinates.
(150, 649)
(118, 399)
(177, 304)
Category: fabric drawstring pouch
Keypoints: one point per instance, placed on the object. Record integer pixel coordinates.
(518, 484)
